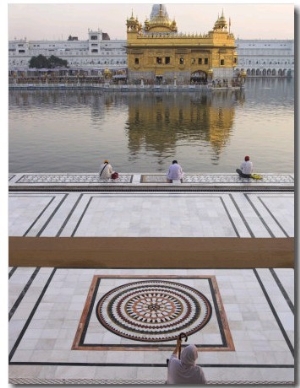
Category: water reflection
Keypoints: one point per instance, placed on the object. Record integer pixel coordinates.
(71, 131)
(162, 121)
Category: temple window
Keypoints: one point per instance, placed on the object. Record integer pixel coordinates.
(206, 61)
(181, 61)
(159, 60)
(136, 61)
(222, 62)
(168, 60)
(199, 61)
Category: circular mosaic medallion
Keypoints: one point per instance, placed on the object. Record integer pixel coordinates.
(153, 311)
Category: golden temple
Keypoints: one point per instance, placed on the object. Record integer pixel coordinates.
(158, 53)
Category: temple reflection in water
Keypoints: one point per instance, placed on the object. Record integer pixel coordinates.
(71, 130)
(161, 121)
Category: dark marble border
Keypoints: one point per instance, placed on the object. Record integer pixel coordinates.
(150, 365)
(89, 307)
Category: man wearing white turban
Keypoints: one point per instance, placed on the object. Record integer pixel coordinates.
(184, 370)
(105, 170)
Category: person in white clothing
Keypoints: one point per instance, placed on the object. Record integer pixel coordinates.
(246, 168)
(105, 170)
(175, 172)
(184, 370)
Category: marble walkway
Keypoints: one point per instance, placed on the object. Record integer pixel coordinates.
(118, 326)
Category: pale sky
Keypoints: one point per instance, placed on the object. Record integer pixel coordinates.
(56, 21)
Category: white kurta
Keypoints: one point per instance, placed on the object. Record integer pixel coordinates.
(175, 172)
(106, 173)
(247, 167)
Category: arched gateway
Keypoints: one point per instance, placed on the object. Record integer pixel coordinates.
(199, 77)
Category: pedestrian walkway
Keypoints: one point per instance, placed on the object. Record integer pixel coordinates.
(111, 325)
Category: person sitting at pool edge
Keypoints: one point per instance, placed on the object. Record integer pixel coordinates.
(175, 172)
(246, 168)
(105, 170)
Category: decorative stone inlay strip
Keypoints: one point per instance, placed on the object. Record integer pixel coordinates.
(35, 381)
(222, 178)
(281, 179)
(71, 178)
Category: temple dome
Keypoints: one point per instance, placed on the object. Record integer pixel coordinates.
(158, 9)
(221, 23)
(159, 20)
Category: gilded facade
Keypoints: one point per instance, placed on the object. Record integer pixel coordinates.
(157, 52)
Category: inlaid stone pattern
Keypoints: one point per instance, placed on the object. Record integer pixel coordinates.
(71, 178)
(37, 381)
(222, 178)
(153, 311)
(281, 179)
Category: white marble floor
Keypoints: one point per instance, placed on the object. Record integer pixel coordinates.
(58, 333)
(237, 214)
(55, 332)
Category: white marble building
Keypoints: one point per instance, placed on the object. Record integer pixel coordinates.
(259, 58)
(98, 52)
(266, 57)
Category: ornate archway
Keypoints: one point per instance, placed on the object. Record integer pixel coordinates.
(199, 77)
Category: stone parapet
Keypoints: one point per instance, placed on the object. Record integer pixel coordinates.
(148, 182)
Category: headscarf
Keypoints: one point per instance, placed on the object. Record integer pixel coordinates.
(185, 370)
(189, 355)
